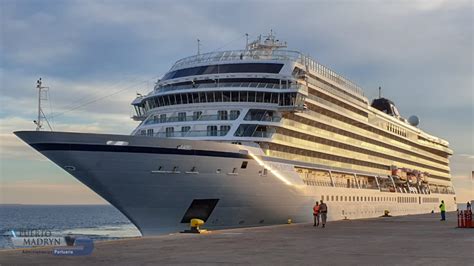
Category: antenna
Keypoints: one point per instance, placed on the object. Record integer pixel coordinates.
(380, 92)
(199, 46)
(246, 41)
(41, 91)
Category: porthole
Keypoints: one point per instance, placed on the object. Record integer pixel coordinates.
(70, 168)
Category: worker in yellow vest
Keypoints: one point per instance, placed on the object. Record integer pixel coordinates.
(442, 208)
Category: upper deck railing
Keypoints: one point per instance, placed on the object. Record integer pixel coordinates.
(296, 56)
(237, 55)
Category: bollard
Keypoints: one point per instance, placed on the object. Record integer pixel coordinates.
(195, 226)
(468, 219)
(459, 219)
(465, 219)
(472, 223)
(462, 219)
(470, 214)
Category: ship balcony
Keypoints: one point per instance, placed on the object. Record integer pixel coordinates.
(207, 133)
(174, 119)
(254, 131)
(192, 133)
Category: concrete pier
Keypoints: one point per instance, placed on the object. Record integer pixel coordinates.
(407, 240)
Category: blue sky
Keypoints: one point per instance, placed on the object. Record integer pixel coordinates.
(420, 52)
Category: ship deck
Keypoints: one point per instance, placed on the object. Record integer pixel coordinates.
(407, 240)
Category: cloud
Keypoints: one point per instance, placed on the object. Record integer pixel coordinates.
(28, 192)
(462, 165)
(12, 147)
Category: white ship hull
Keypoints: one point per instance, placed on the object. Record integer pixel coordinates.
(153, 182)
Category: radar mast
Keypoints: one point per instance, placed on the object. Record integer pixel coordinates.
(42, 95)
(268, 45)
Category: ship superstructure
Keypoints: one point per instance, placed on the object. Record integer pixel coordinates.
(253, 137)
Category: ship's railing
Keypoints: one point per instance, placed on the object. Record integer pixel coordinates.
(237, 55)
(262, 115)
(259, 85)
(335, 106)
(207, 133)
(158, 120)
(330, 74)
(296, 56)
(262, 134)
(441, 189)
(192, 133)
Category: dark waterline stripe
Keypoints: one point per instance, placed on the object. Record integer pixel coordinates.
(133, 149)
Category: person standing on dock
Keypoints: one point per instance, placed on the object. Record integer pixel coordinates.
(442, 208)
(316, 214)
(468, 206)
(323, 210)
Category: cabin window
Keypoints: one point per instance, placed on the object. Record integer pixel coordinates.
(224, 130)
(163, 118)
(212, 130)
(252, 95)
(196, 97)
(226, 96)
(234, 96)
(202, 97)
(169, 131)
(166, 99)
(197, 115)
(222, 115)
(185, 129)
(179, 99)
(267, 97)
(225, 68)
(218, 96)
(149, 132)
(234, 114)
(182, 116)
(210, 96)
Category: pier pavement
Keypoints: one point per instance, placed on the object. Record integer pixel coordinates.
(404, 240)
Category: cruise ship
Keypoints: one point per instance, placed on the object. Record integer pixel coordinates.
(255, 137)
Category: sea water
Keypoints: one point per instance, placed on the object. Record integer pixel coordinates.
(94, 221)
